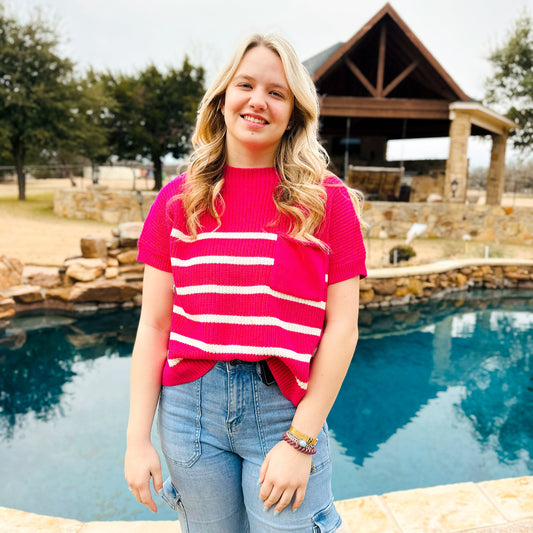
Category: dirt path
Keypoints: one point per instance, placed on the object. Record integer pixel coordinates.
(33, 234)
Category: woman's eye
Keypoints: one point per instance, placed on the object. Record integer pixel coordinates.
(245, 85)
(277, 94)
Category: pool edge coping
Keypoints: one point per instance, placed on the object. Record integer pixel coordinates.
(497, 505)
(445, 265)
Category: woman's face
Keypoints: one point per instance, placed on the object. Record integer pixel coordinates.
(257, 109)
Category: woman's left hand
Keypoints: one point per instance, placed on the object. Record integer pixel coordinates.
(284, 474)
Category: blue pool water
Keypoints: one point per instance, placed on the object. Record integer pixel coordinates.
(439, 393)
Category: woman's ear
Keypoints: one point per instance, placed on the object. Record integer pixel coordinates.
(290, 125)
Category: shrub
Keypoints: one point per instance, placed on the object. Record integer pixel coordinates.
(404, 253)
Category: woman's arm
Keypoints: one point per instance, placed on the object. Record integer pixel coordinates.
(332, 360)
(148, 360)
(285, 471)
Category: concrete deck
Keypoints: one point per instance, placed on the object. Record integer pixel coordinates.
(443, 266)
(502, 506)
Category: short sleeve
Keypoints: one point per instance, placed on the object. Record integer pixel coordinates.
(154, 242)
(348, 254)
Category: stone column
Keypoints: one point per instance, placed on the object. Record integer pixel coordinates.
(495, 177)
(457, 164)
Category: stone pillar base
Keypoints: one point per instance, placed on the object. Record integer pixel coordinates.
(457, 164)
(495, 177)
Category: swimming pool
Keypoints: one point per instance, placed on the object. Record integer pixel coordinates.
(439, 393)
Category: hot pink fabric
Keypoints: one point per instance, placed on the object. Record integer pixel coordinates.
(245, 290)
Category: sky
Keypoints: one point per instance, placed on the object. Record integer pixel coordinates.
(127, 35)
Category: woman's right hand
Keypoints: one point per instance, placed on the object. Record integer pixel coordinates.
(142, 463)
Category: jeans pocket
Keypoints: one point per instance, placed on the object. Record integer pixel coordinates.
(322, 458)
(327, 520)
(179, 423)
(171, 496)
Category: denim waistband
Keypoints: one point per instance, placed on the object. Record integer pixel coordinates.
(238, 364)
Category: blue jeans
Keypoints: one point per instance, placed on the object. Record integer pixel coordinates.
(215, 433)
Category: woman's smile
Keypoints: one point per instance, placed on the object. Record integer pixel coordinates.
(254, 119)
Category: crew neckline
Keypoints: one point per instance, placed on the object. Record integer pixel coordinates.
(266, 173)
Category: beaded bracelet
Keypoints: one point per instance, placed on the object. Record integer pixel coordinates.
(302, 436)
(299, 444)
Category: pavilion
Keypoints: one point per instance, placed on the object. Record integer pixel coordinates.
(384, 84)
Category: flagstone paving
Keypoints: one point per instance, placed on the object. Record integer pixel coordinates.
(502, 506)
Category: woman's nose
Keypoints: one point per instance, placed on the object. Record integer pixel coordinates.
(257, 100)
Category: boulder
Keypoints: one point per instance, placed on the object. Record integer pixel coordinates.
(24, 294)
(404, 300)
(129, 233)
(137, 268)
(111, 290)
(7, 307)
(85, 269)
(460, 279)
(415, 287)
(47, 277)
(385, 287)
(366, 297)
(401, 291)
(60, 293)
(365, 284)
(86, 262)
(10, 271)
(113, 243)
(498, 272)
(111, 272)
(93, 246)
(518, 275)
(127, 257)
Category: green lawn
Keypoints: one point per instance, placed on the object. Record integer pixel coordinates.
(35, 206)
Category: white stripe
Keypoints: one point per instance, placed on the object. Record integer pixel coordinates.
(174, 362)
(249, 289)
(249, 321)
(238, 349)
(225, 235)
(221, 260)
(301, 384)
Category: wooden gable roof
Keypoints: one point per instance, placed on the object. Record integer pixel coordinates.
(383, 71)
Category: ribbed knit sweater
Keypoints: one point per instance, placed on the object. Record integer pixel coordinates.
(245, 290)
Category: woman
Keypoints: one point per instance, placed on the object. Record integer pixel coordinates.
(249, 315)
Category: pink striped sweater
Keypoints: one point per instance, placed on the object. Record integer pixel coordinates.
(248, 291)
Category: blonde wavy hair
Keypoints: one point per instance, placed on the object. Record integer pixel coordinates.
(300, 159)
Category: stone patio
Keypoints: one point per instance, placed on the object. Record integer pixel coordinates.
(501, 506)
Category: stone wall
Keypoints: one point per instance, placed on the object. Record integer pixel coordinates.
(406, 286)
(485, 223)
(99, 202)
